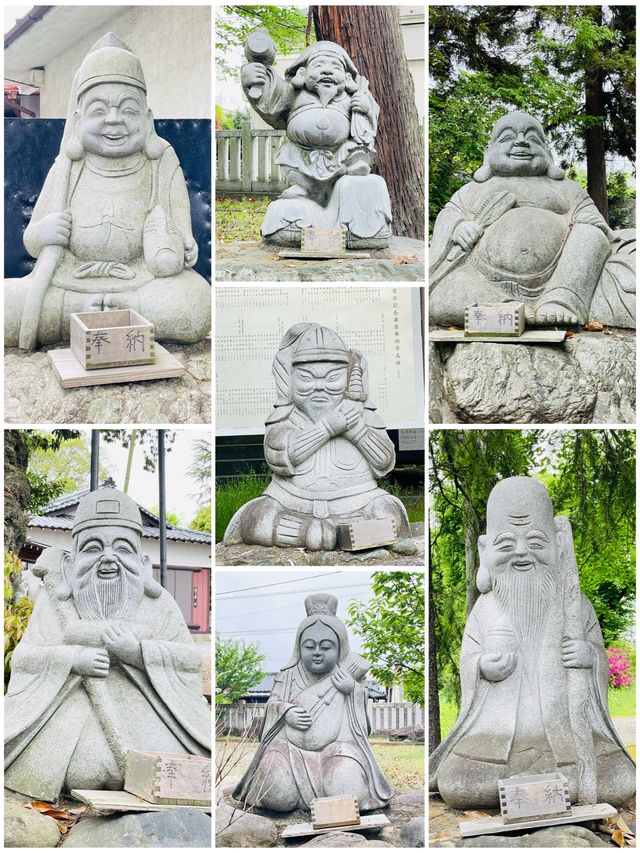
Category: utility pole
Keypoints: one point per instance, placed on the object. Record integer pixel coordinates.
(163, 510)
(95, 459)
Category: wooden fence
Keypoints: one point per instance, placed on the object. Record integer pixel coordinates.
(386, 717)
(245, 161)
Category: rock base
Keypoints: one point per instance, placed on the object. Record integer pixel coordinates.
(33, 393)
(404, 552)
(253, 260)
(590, 378)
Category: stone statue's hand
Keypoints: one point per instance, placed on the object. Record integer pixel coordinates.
(466, 234)
(253, 74)
(343, 682)
(335, 422)
(298, 718)
(576, 653)
(124, 645)
(360, 103)
(53, 230)
(190, 253)
(352, 412)
(497, 667)
(93, 662)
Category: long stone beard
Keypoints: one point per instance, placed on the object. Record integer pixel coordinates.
(525, 597)
(327, 92)
(112, 598)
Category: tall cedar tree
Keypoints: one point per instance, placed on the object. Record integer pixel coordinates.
(372, 36)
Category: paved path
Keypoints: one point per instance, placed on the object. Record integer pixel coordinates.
(626, 728)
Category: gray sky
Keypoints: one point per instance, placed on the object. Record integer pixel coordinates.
(267, 606)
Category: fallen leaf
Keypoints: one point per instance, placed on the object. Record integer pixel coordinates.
(48, 809)
(617, 836)
(472, 815)
(79, 810)
(39, 806)
(405, 259)
(569, 335)
(63, 829)
(623, 825)
(593, 326)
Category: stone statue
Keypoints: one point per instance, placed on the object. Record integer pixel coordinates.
(522, 231)
(112, 226)
(331, 120)
(326, 446)
(314, 735)
(533, 667)
(106, 664)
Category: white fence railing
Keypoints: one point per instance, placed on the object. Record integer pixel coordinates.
(386, 717)
(245, 161)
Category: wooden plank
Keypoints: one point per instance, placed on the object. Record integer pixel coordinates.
(71, 374)
(360, 535)
(334, 811)
(304, 256)
(122, 801)
(167, 778)
(368, 821)
(531, 336)
(493, 825)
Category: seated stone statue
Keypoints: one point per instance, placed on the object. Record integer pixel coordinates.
(111, 228)
(522, 231)
(106, 663)
(533, 667)
(314, 735)
(325, 445)
(331, 120)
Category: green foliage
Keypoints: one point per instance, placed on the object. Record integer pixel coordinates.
(55, 471)
(231, 495)
(391, 626)
(16, 612)
(238, 668)
(224, 119)
(147, 439)
(622, 701)
(239, 218)
(413, 502)
(202, 519)
(172, 517)
(287, 26)
(200, 469)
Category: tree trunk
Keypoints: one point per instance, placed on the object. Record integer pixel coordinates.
(433, 698)
(17, 492)
(471, 561)
(594, 136)
(372, 37)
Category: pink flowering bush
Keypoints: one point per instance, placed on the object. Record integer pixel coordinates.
(619, 668)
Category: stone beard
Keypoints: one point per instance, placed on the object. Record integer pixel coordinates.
(97, 597)
(525, 599)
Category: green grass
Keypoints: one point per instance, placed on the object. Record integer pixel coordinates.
(231, 495)
(414, 504)
(239, 218)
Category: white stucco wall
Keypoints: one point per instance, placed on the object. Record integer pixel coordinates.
(174, 44)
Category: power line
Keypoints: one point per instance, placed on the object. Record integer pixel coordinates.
(278, 583)
(294, 592)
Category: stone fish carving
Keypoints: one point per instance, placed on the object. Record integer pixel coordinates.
(106, 663)
(325, 445)
(533, 667)
(111, 228)
(314, 736)
(331, 120)
(521, 230)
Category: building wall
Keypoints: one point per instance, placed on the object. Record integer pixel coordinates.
(174, 44)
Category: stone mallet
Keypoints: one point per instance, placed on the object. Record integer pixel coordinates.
(259, 47)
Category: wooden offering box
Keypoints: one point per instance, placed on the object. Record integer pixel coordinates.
(112, 339)
(539, 796)
(169, 779)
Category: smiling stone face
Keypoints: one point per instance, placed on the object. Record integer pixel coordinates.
(517, 147)
(325, 70)
(319, 649)
(113, 120)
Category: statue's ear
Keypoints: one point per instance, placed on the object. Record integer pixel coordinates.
(561, 536)
(151, 587)
(298, 81)
(351, 86)
(64, 591)
(483, 579)
(74, 149)
(154, 146)
(484, 172)
(554, 172)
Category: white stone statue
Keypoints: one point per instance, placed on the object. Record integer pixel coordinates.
(111, 228)
(325, 445)
(314, 735)
(533, 667)
(106, 663)
(331, 120)
(522, 231)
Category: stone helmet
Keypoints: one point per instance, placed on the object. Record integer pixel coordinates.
(318, 343)
(110, 61)
(321, 48)
(107, 507)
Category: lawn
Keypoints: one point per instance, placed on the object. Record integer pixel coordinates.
(402, 763)
(239, 218)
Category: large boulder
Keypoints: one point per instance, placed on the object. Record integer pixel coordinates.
(262, 555)
(237, 828)
(412, 834)
(551, 837)
(183, 827)
(343, 840)
(590, 378)
(24, 827)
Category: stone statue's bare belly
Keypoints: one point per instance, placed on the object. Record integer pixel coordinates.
(318, 127)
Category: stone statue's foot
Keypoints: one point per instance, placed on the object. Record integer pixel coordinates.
(294, 191)
(381, 240)
(320, 535)
(555, 313)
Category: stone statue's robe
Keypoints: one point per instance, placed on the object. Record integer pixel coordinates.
(55, 737)
(522, 724)
(519, 252)
(340, 729)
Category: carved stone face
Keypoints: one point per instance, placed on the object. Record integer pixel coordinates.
(318, 386)
(319, 649)
(113, 120)
(107, 572)
(517, 147)
(325, 72)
